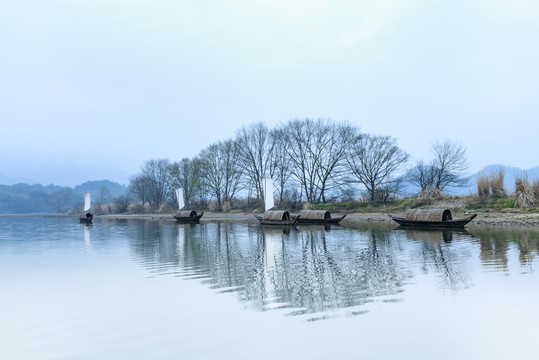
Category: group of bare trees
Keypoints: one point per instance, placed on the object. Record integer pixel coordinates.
(316, 160)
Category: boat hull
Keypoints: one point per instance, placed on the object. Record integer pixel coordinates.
(188, 219)
(304, 221)
(86, 218)
(459, 223)
(263, 221)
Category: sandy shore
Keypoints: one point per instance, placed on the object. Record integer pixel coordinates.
(502, 218)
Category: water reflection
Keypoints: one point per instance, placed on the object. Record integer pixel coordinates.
(86, 234)
(317, 270)
(495, 244)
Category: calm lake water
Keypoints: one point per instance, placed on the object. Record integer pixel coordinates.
(147, 289)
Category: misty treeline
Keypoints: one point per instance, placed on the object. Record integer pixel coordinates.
(314, 161)
(36, 198)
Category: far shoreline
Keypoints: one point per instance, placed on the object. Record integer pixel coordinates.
(484, 217)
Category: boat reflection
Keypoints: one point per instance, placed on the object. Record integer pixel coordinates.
(86, 234)
(434, 235)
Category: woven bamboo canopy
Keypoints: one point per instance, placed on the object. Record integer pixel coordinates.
(186, 213)
(315, 214)
(428, 215)
(277, 215)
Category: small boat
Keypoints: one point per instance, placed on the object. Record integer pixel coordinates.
(273, 217)
(318, 217)
(88, 216)
(277, 217)
(188, 216)
(431, 218)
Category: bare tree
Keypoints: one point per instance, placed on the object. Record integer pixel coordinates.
(185, 174)
(61, 199)
(374, 161)
(152, 184)
(122, 202)
(282, 164)
(220, 171)
(449, 165)
(446, 169)
(256, 154)
(139, 186)
(317, 150)
(422, 175)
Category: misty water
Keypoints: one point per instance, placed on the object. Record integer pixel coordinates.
(140, 289)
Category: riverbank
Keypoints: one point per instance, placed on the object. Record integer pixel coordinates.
(503, 217)
(488, 217)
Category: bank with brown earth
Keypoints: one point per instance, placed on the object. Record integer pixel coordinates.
(485, 217)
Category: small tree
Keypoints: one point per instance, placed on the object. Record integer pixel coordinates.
(61, 199)
(139, 186)
(122, 203)
(449, 165)
(446, 169)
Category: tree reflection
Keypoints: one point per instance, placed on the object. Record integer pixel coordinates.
(440, 256)
(313, 269)
(495, 243)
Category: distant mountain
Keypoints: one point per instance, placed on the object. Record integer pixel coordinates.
(6, 180)
(98, 186)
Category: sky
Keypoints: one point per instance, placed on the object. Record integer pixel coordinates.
(91, 90)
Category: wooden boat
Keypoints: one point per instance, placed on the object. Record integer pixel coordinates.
(185, 216)
(431, 218)
(88, 216)
(317, 217)
(189, 216)
(273, 217)
(277, 217)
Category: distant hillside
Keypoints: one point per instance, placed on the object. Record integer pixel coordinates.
(26, 199)
(97, 186)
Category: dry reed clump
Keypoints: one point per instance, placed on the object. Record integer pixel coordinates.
(496, 184)
(483, 187)
(524, 193)
(535, 187)
(227, 206)
(432, 194)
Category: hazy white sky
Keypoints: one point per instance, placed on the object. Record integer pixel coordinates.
(92, 89)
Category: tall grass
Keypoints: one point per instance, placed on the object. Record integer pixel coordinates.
(535, 187)
(496, 184)
(483, 187)
(524, 193)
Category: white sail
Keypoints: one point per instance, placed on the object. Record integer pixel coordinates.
(86, 201)
(267, 184)
(179, 196)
